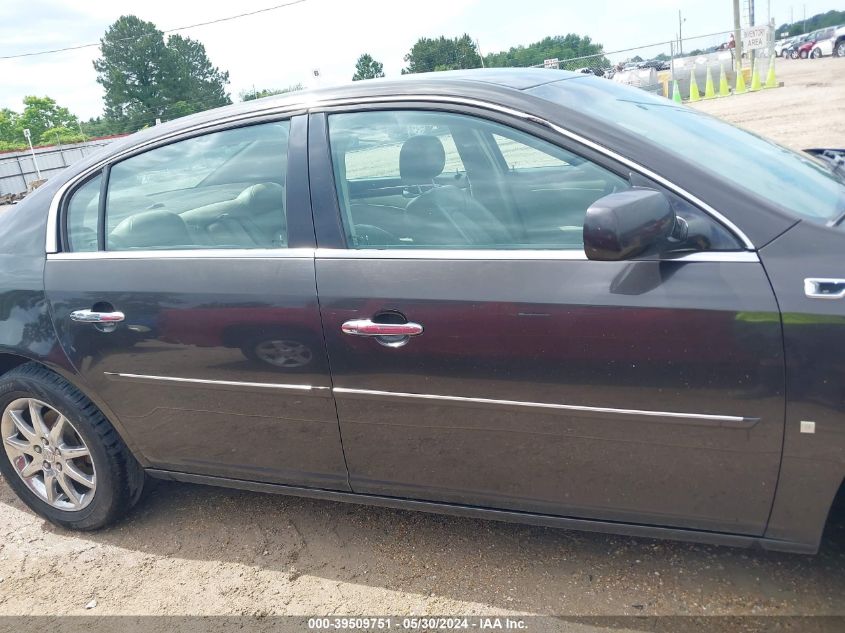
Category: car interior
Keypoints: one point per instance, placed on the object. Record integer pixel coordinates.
(404, 179)
(483, 199)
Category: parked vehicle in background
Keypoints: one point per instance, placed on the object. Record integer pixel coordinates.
(538, 303)
(657, 64)
(824, 43)
(792, 49)
(782, 46)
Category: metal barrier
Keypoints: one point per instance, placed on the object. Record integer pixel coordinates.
(18, 170)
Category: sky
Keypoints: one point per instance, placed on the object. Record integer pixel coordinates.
(282, 47)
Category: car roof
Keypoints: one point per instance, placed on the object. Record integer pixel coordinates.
(489, 82)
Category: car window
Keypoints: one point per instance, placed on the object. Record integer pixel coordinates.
(220, 190)
(795, 182)
(82, 214)
(454, 181)
(457, 181)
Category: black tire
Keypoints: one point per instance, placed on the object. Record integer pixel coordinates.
(816, 53)
(120, 479)
(793, 54)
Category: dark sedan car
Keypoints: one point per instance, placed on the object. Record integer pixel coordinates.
(532, 296)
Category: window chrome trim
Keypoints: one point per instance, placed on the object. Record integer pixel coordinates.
(724, 420)
(52, 239)
(226, 383)
(199, 253)
(518, 254)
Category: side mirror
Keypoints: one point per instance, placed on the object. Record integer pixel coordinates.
(623, 225)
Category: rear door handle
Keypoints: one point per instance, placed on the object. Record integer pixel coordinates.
(89, 316)
(366, 327)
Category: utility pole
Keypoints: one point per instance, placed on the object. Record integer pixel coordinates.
(737, 37)
(680, 35)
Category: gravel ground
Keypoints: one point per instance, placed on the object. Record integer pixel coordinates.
(194, 550)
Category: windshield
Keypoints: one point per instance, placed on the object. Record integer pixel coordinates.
(795, 182)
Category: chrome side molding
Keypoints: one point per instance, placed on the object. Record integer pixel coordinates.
(721, 420)
(224, 383)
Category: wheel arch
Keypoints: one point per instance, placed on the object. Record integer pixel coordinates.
(10, 360)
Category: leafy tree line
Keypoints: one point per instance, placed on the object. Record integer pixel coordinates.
(47, 122)
(146, 76)
(818, 21)
(443, 53)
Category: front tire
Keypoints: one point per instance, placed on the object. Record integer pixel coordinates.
(60, 454)
(839, 50)
(816, 53)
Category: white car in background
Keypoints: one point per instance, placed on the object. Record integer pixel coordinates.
(782, 46)
(831, 41)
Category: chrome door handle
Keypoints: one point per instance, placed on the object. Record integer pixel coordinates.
(824, 288)
(366, 327)
(89, 316)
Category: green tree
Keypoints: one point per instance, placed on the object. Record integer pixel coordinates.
(560, 47)
(250, 95)
(7, 125)
(145, 78)
(190, 80)
(818, 21)
(442, 53)
(367, 68)
(131, 70)
(40, 115)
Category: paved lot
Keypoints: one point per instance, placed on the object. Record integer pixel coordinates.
(195, 550)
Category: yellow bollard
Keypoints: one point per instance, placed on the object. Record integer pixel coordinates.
(709, 91)
(755, 77)
(771, 80)
(740, 83)
(676, 94)
(724, 91)
(694, 95)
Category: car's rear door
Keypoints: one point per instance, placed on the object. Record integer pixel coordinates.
(510, 371)
(196, 256)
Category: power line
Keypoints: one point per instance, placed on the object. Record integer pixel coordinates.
(179, 28)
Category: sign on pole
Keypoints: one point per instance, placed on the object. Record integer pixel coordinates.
(553, 64)
(756, 37)
(28, 136)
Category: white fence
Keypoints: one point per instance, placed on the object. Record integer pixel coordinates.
(17, 169)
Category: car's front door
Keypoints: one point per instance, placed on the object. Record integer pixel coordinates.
(510, 371)
(197, 258)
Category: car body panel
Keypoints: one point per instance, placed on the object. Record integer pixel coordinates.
(683, 471)
(814, 336)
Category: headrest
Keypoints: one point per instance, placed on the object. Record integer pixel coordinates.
(263, 196)
(151, 229)
(422, 159)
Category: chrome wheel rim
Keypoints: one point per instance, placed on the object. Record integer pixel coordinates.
(281, 353)
(48, 454)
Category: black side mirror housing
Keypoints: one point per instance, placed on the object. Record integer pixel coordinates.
(627, 224)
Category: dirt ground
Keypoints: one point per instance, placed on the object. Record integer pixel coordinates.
(808, 111)
(194, 550)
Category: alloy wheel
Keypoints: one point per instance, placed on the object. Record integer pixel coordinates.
(281, 353)
(48, 454)
(840, 49)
